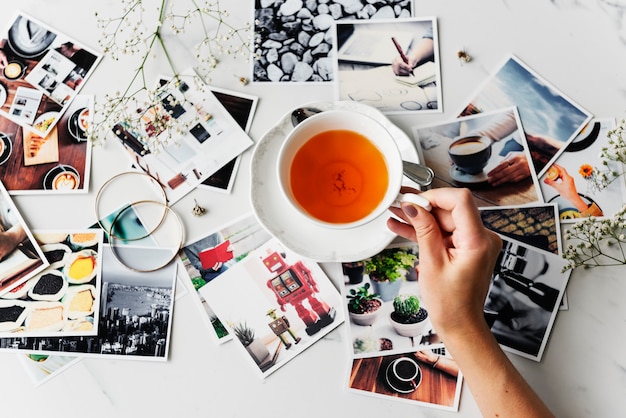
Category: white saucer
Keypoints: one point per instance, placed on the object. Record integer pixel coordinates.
(462, 177)
(293, 229)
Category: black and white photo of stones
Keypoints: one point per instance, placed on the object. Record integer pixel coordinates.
(293, 38)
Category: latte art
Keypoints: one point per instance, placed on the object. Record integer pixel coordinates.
(65, 181)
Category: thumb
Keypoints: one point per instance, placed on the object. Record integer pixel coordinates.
(427, 233)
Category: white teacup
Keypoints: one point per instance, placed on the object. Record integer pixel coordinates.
(341, 169)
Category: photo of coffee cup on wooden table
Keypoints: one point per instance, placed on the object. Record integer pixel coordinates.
(341, 169)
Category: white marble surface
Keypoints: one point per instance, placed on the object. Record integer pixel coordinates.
(578, 45)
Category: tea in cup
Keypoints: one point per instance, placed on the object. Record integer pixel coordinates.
(341, 169)
(470, 154)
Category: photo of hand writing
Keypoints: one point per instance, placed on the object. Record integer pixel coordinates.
(392, 66)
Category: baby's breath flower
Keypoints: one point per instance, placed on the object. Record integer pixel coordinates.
(141, 31)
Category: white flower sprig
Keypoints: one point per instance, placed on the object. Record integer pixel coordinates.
(596, 242)
(613, 157)
(142, 31)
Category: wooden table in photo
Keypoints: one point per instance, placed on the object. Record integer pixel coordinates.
(436, 387)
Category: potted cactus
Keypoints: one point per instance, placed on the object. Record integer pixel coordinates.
(387, 269)
(363, 305)
(408, 317)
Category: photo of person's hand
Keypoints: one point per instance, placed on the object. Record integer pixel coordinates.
(513, 168)
(564, 184)
(10, 239)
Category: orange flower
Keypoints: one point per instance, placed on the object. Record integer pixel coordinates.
(586, 170)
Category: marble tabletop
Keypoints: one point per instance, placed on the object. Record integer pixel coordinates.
(578, 45)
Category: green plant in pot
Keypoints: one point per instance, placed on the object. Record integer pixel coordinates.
(255, 348)
(387, 269)
(408, 317)
(363, 305)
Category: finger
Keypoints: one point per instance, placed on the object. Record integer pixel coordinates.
(426, 232)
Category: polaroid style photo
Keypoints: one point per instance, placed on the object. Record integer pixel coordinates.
(306, 56)
(184, 161)
(24, 261)
(580, 167)
(427, 377)
(129, 300)
(65, 150)
(549, 118)
(275, 304)
(368, 53)
(43, 59)
(64, 298)
(205, 258)
(486, 153)
(525, 295)
(371, 330)
(242, 108)
(41, 368)
(536, 225)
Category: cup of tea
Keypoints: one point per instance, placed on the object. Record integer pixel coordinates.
(341, 169)
(403, 375)
(471, 153)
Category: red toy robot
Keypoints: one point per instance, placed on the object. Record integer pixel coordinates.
(294, 285)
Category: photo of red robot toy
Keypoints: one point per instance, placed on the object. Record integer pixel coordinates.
(294, 285)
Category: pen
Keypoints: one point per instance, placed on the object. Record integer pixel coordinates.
(405, 59)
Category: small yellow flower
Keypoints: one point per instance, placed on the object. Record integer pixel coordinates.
(586, 170)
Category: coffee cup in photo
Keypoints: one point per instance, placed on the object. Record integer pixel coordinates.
(403, 375)
(66, 180)
(470, 154)
(13, 70)
(340, 169)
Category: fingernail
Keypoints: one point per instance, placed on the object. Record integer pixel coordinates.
(410, 211)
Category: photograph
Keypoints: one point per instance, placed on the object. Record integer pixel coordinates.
(64, 298)
(135, 315)
(209, 256)
(21, 256)
(275, 304)
(550, 120)
(383, 299)
(579, 182)
(58, 163)
(535, 225)
(391, 65)
(242, 108)
(46, 70)
(524, 298)
(429, 378)
(42, 367)
(486, 153)
(303, 52)
(183, 160)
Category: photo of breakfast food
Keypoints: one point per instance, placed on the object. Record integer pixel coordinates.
(59, 162)
(62, 299)
(45, 71)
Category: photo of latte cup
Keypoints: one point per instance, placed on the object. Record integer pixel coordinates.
(470, 154)
(341, 169)
(66, 180)
(13, 70)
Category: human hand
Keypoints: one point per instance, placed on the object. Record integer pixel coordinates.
(564, 184)
(457, 256)
(3, 59)
(10, 239)
(513, 168)
(400, 67)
